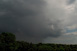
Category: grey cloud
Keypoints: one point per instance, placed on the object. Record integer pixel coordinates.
(27, 20)
(70, 1)
(64, 39)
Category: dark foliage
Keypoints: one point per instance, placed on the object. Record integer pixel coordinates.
(8, 43)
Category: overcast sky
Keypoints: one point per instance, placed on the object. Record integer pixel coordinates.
(47, 21)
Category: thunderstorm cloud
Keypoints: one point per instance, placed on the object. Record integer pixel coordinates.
(36, 20)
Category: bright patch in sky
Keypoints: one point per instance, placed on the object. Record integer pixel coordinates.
(69, 20)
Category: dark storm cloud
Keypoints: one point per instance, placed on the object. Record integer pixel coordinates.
(26, 19)
(70, 1)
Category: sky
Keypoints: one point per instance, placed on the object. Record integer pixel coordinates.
(46, 21)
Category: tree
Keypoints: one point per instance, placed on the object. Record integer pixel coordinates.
(22, 46)
(45, 48)
(7, 41)
(6, 37)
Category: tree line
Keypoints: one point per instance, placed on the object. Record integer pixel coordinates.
(8, 43)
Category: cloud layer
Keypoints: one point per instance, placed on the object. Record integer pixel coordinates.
(36, 20)
(30, 20)
(69, 22)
